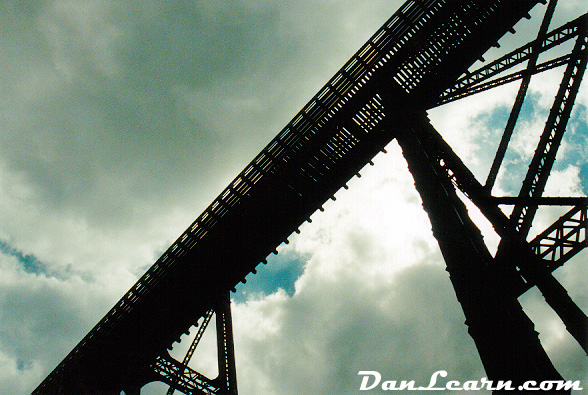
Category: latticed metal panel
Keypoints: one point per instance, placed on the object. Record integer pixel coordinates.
(190, 381)
(477, 81)
(564, 239)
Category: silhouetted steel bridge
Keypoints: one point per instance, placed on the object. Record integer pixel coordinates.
(417, 60)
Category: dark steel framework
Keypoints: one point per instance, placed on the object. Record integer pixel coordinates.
(418, 60)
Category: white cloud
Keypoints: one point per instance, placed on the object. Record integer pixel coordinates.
(75, 31)
(364, 233)
(41, 316)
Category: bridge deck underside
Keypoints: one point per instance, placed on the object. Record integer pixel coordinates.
(414, 57)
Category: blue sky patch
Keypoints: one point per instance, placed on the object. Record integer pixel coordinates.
(584, 178)
(281, 271)
(577, 137)
(497, 117)
(29, 262)
(514, 168)
(23, 365)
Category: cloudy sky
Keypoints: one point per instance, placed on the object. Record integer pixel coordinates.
(121, 121)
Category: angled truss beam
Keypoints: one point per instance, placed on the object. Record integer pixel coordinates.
(506, 79)
(197, 338)
(544, 158)
(504, 335)
(192, 348)
(165, 369)
(564, 238)
(520, 98)
(530, 270)
(518, 56)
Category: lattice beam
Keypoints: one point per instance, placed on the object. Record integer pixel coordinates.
(520, 55)
(191, 349)
(565, 238)
(166, 369)
(544, 158)
(506, 79)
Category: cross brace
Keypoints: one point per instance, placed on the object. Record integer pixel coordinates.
(565, 238)
(179, 376)
(555, 127)
(192, 348)
(520, 98)
(470, 83)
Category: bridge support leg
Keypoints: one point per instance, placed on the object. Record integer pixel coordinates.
(504, 335)
(227, 375)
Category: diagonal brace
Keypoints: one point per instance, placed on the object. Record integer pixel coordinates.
(529, 266)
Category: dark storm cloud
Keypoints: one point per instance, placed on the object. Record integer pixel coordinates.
(95, 111)
(107, 103)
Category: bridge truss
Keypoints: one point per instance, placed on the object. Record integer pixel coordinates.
(417, 61)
